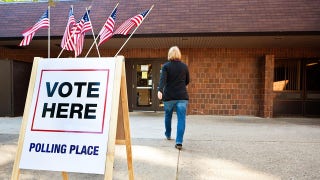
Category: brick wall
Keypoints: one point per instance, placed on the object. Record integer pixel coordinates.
(233, 82)
(223, 81)
(266, 104)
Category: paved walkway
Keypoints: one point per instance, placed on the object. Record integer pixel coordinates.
(215, 147)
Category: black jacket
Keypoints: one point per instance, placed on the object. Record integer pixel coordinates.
(173, 81)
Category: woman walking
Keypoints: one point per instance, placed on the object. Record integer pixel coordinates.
(173, 91)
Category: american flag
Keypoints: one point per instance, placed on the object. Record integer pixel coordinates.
(28, 34)
(83, 26)
(130, 23)
(107, 29)
(68, 40)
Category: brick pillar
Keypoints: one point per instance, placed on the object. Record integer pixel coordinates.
(267, 89)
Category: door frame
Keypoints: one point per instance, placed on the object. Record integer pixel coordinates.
(131, 74)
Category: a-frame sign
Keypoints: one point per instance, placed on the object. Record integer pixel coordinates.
(76, 111)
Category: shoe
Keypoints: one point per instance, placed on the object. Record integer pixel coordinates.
(178, 146)
(168, 137)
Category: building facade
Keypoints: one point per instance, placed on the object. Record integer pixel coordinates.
(246, 58)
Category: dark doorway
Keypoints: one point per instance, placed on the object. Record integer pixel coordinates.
(143, 77)
(14, 81)
(297, 87)
(312, 88)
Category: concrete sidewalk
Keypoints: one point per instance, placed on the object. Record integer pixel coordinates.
(215, 147)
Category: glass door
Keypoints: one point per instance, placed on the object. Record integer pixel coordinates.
(145, 80)
(312, 87)
(144, 85)
(296, 87)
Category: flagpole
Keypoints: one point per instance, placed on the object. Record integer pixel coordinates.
(95, 41)
(134, 31)
(94, 38)
(49, 31)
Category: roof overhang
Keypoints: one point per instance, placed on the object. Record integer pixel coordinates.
(280, 40)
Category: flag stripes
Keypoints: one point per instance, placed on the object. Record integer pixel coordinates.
(28, 34)
(107, 30)
(125, 27)
(82, 27)
(26, 40)
(67, 42)
(130, 23)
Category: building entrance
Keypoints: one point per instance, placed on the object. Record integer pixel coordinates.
(297, 87)
(143, 77)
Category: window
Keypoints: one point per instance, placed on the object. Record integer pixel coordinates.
(287, 75)
(313, 75)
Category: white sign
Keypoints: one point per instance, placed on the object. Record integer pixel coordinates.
(68, 123)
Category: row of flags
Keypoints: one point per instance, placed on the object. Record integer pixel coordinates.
(73, 37)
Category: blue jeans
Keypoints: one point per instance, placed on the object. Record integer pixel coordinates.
(181, 109)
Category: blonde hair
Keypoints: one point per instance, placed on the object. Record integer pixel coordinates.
(174, 53)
